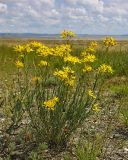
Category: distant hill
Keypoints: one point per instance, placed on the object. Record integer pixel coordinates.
(57, 36)
(27, 35)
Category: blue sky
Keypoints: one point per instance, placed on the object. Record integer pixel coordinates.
(53, 16)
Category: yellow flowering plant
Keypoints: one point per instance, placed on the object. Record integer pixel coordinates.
(109, 42)
(67, 34)
(56, 110)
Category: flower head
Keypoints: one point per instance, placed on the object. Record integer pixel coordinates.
(19, 48)
(66, 75)
(19, 64)
(84, 53)
(50, 104)
(35, 44)
(28, 49)
(91, 94)
(94, 44)
(89, 58)
(90, 50)
(96, 108)
(87, 68)
(105, 69)
(43, 63)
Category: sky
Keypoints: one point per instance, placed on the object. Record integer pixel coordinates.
(53, 16)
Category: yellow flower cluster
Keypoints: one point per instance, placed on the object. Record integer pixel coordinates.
(72, 59)
(44, 51)
(88, 54)
(90, 50)
(66, 75)
(83, 54)
(23, 48)
(87, 68)
(62, 50)
(19, 48)
(28, 49)
(94, 44)
(67, 34)
(92, 47)
(109, 41)
(50, 104)
(35, 44)
(19, 64)
(91, 94)
(43, 63)
(89, 58)
(96, 108)
(105, 69)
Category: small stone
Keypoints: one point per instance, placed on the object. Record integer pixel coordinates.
(125, 150)
(116, 135)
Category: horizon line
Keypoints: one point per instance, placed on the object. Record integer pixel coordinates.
(59, 33)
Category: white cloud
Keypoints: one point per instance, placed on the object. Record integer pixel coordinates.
(3, 7)
(95, 5)
(84, 16)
